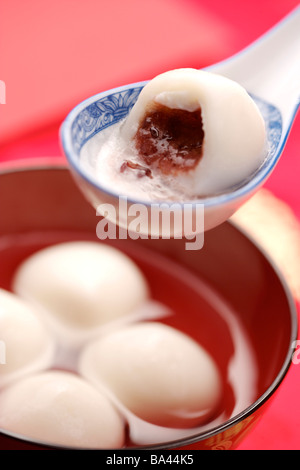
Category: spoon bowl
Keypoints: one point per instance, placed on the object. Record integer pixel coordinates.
(269, 69)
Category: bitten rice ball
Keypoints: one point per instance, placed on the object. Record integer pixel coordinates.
(200, 128)
(190, 134)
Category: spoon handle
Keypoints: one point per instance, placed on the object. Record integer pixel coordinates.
(270, 66)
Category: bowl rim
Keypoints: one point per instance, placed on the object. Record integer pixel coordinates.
(219, 200)
(46, 164)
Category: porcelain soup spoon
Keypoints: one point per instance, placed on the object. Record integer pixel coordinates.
(269, 69)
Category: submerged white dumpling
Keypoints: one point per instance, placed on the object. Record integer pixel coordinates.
(60, 408)
(158, 373)
(26, 345)
(226, 132)
(81, 285)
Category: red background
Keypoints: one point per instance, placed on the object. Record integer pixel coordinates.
(55, 53)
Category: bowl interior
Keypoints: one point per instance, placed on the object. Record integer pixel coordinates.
(227, 295)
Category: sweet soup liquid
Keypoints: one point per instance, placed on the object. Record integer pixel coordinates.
(193, 307)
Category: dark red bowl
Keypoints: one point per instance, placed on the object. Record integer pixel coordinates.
(41, 205)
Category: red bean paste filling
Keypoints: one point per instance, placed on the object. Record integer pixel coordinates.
(170, 140)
